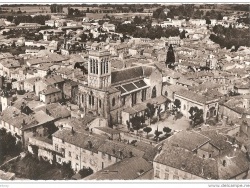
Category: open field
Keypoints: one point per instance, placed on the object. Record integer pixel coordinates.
(28, 9)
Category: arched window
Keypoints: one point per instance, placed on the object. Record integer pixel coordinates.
(100, 103)
(96, 67)
(113, 102)
(107, 67)
(93, 67)
(101, 67)
(153, 92)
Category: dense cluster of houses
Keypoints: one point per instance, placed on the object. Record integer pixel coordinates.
(69, 101)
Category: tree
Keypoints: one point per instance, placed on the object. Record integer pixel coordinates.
(147, 130)
(183, 34)
(101, 22)
(157, 133)
(162, 15)
(10, 18)
(156, 13)
(208, 21)
(167, 130)
(136, 123)
(67, 170)
(196, 115)
(170, 57)
(85, 172)
(219, 16)
(137, 20)
(159, 110)
(13, 44)
(128, 124)
(150, 111)
(177, 105)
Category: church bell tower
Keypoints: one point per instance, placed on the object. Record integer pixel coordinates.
(99, 69)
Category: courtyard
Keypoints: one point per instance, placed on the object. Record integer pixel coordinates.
(170, 122)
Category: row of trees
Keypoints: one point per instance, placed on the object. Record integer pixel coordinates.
(137, 122)
(228, 37)
(186, 12)
(75, 12)
(55, 8)
(148, 31)
(182, 11)
(40, 19)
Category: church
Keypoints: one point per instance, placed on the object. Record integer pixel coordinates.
(121, 94)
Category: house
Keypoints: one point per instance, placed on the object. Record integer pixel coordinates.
(235, 108)
(7, 65)
(51, 80)
(70, 91)
(190, 155)
(242, 88)
(50, 95)
(190, 99)
(134, 168)
(29, 84)
(88, 150)
(23, 126)
(43, 69)
(50, 23)
(110, 133)
(57, 111)
(211, 62)
(108, 27)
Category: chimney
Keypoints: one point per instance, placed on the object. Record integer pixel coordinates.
(22, 124)
(72, 131)
(130, 154)
(120, 154)
(183, 166)
(140, 172)
(224, 162)
(159, 148)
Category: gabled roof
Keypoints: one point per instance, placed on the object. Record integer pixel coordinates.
(179, 158)
(127, 169)
(57, 110)
(126, 74)
(50, 90)
(32, 80)
(52, 79)
(80, 139)
(194, 96)
(189, 140)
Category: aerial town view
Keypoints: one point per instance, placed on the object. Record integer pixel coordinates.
(124, 91)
